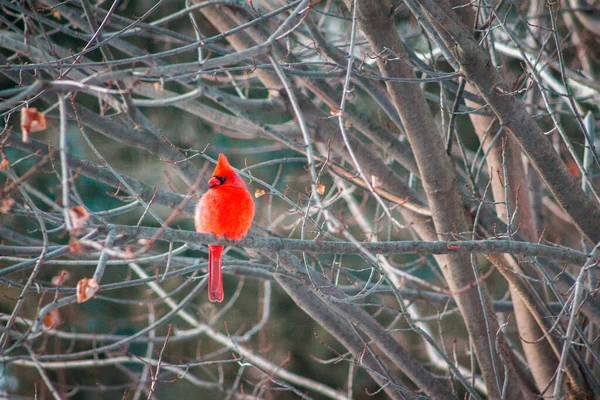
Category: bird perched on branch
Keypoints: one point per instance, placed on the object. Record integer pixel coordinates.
(225, 210)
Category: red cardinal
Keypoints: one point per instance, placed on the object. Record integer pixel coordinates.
(225, 210)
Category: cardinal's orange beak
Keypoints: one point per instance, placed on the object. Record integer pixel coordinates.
(214, 181)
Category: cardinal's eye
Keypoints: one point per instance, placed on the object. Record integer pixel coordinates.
(221, 179)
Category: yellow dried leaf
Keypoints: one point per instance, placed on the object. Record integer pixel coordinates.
(375, 182)
(31, 121)
(320, 188)
(56, 15)
(5, 204)
(129, 252)
(52, 319)
(158, 86)
(75, 247)
(3, 163)
(86, 289)
(78, 216)
(258, 193)
(61, 277)
(336, 112)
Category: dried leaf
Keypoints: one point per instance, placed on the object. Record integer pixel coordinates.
(158, 87)
(5, 204)
(573, 169)
(336, 112)
(75, 247)
(52, 319)
(375, 182)
(86, 289)
(31, 121)
(320, 188)
(56, 15)
(61, 277)
(79, 217)
(258, 193)
(129, 252)
(3, 163)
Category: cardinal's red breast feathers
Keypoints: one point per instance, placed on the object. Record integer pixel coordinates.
(225, 210)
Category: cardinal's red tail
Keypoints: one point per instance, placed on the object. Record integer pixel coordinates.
(215, 276)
